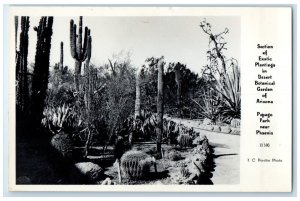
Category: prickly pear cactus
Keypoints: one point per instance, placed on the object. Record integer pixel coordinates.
(135, 164)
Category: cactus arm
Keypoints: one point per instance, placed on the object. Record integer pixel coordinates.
(16, 31)
(79, 41)
(73, 39)
(89, 49)
(85, 44)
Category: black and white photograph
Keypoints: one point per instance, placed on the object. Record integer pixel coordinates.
(127, 100)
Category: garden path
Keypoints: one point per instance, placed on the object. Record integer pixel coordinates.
(226, 151)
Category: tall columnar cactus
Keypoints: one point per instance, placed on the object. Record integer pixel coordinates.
(21, 66)
(89, 90)
(16, 32)
(88, 75)
(59, 66)
(41, 68)
(78, 50)
(61, 61)
(160, 105)
(137, 108)
(178, 79)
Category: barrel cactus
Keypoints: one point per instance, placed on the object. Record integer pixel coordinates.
(136, 164)
(63, 144)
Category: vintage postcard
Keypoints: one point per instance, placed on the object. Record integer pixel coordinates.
(150, 99)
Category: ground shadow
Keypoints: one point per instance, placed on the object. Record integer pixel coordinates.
(220, 155)
(217, 145)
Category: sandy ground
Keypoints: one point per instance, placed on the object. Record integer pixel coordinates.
(227, 153)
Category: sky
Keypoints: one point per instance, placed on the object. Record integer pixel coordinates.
(178, 39)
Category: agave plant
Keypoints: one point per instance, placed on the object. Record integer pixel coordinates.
(62, 118)
(229, 87)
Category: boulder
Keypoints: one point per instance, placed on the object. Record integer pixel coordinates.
(216, 128)
(90, 171)
(225, 129)
(201, 126)
(108, 181)
(209, 127)
(236, 132)
(197, 140)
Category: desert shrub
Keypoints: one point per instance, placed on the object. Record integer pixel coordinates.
(63, 144)
(208, 105)
(61, 88)
(184, 172)
(171, 131)
(135, 164)
(174, 156)
(144, 127)
(184, 140)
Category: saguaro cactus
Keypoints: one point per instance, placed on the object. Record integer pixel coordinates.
(61, 61)
(78, 50)
(88, 75)
(160, 105)
(41, 68)
(137, 109)
(16, 32)
(178, 80)
(89, 89)
(21, 66)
